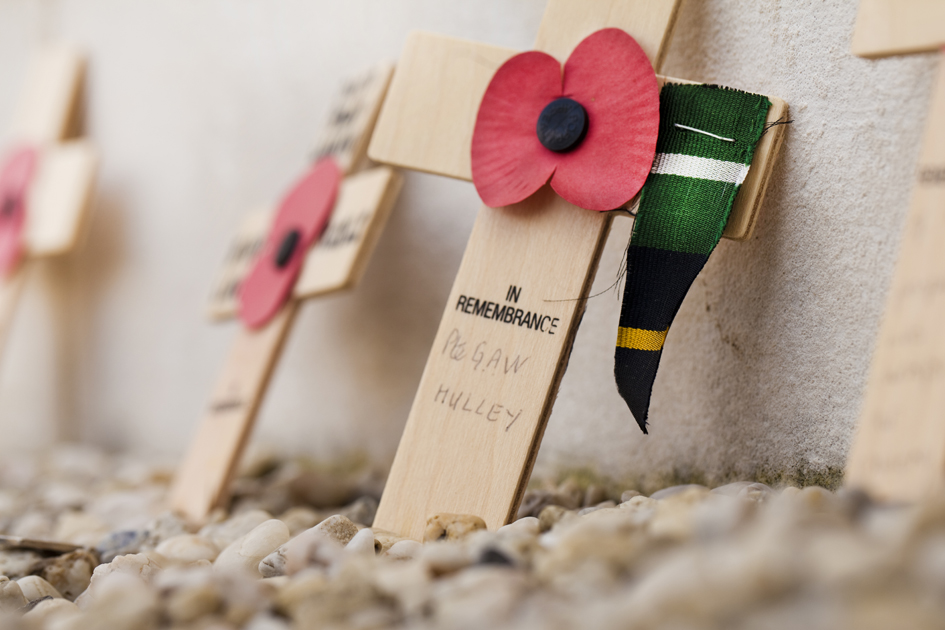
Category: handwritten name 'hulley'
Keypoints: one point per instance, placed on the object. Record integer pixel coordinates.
(507, 314)
(470, 403)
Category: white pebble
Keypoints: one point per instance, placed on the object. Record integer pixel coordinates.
(188, 548)
(35, 587)
(245, 553)
(404, 550)
(11, 595)
(362, 542)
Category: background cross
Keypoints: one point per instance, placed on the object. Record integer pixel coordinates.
(335, 262)
(475, 426)
(59, 194)
(898, 451)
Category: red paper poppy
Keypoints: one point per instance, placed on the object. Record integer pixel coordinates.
(609, 75)
(16, 173)
(301, 218)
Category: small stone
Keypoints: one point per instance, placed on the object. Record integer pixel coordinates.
(48, 609)
(165, 526)
(529, 526)
(187, 548)
(137, 565)
(638, 502)
(535, 501)
(570, 494)
(387, 539)
(361, 511)
(594, 495)
(338, 528)
(549, 516)
(627, 495)
(495, 556)
(488, 594)
(363, 543)
(313, 548)
(189, 594)
(19, 562)
(35, 587)
(443, 558)
(245, 553)
(70, 573)
(80, 528)
(404, 550)
(588, 510)
(748, 490)
(451, 526)
(298, 519)
(670, 491)
(120, 543)
(122, 600)
(11, 595)
(223, 534)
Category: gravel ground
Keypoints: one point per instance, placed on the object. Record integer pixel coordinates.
(286, 556)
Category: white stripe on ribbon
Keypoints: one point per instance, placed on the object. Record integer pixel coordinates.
(699, 168)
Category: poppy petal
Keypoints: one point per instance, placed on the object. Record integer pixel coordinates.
(16, 173)
(301, 218)
(609, 74)
(508, 161)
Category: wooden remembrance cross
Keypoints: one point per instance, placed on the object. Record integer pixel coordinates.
(335, 262)
(478, 417)
(898, 451)
(60, 170)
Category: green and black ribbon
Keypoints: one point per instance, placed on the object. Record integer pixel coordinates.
(706, 141)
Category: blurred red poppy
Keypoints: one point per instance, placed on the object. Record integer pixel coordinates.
(16, 174)
(301, 218)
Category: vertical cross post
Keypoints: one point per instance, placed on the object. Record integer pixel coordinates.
(898, 452)
(335, 262)
(490, 381)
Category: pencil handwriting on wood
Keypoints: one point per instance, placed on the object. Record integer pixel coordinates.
(470, 402)
(483, 356)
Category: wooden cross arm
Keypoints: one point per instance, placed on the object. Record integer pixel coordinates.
(60, 198)
(898, 27)
(428, 118)
(48, 106)
(338, 259)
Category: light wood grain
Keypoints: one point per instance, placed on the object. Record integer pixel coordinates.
(488, 387)
(49, 99)
(60, 198)
(338, 260)
(898, 27)
(246, 243)
(567, 22)
(11, 288)
(352, 116)
(428, 118)
(203, 479)
(898, 451)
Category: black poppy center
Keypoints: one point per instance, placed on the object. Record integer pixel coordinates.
(8, 207)
(562, 125)
(287, 247)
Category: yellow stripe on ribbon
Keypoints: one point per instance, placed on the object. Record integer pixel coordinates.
(640, 339)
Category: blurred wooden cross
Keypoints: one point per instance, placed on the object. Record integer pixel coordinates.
(898, 452)
(487, 391)
(47, 175)
(335, 262)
